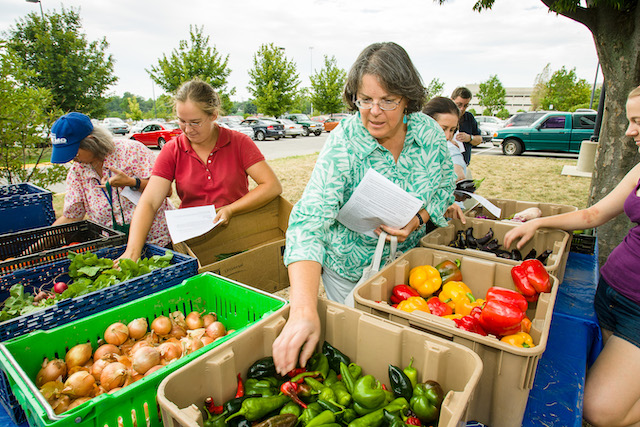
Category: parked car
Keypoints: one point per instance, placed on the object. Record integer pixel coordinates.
(489, 124)
(116, 125)
(555, 131)
(291, 128)
(265, 128)
(156, 134)
(331, 123)
(524, 119)
(236, 124)
(308, 126)
(138, 126)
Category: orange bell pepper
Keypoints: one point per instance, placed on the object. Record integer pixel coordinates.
(412, 304)
(466, 303)
(425, 279)
(525, 325)
(453, 316)
(519, 339)
(453, 291)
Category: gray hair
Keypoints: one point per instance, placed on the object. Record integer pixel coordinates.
(391, 64)
(99, 142)
(461, 92)
(200, 93)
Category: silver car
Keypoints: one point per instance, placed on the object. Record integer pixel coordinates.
(235, 124)
(291, 128)
(116, 125)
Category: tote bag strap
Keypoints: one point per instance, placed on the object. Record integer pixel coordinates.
(110, 199)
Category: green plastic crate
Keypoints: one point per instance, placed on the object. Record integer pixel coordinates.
(238, 307)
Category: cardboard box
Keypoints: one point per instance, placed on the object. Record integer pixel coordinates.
(371, 342)
(508, 372)
(250, 250)
(511, 207)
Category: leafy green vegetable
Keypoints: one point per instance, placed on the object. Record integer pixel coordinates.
(88, 273)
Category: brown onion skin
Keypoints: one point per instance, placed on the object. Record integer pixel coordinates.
(206, 340)
(138, 328)
(153, 369)
(194, 321)
(177, 332)
(78, 355)
(216, 330)
(208, 319)
(169, 351)
(161, 325)
(79, 401)
(113, 375)
(99, 365)
(79, 384)
(54, 370)
(137, 346)
(116, 333)
(145, 358)
(105, 350)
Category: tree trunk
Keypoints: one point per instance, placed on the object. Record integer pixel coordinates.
(617, 38)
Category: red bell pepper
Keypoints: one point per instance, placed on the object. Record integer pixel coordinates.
(437, 307)
(402, 292)
(496, 293)
(501, 318)
(531, 278)
(471, 324)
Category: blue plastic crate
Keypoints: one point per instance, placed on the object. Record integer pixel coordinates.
(24, 206)
(48, 244)
(9, 401)
(182, 267)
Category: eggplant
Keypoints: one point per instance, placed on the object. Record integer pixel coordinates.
(486, 238)
(501, 253)
(491, 246)
(531, 255)
(543, 256)
(471, 241)
(516, 255)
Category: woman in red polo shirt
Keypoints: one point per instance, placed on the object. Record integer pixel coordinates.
(210, 165)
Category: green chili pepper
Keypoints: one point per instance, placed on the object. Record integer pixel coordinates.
(260, 387)
(367, 393)
(216, 420)
(264, 367)
(393, 419)
(319, 362)
(334, 356)
(291, 408)
(356, 370)
(411, 373)
(327, 393)
(332, 377)
(376, 418)
(315, 384)
(332, 406)
(347, 378)
(233, 405)
(282, 420)
(427, 400)
(324, 417)
(255, 408)
(400, 383)
(312, 411)
(349, 415)
(342, 394)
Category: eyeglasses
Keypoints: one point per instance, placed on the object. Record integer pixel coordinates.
(193, 125)
(384, 104)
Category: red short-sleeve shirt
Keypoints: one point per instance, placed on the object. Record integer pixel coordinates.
(221, 181)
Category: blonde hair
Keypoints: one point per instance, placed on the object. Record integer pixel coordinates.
(200, 93)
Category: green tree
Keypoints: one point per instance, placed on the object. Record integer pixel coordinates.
(503, 114)
(564, 90)
(273, 80)
(77, 72)
(492, 95)
(327, 87)
(135, 113)
(540, 88)
(434, 88)
(194, 58)
(615, 26)
(26, 115)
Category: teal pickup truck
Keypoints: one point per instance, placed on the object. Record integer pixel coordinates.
(555, 131)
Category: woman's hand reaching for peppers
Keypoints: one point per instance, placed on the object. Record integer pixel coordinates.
(523, 232)
(297, 340)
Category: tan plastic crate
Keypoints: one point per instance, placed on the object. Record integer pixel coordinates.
(511, 207)
(557, 241)
(368, 340)
(508, 372)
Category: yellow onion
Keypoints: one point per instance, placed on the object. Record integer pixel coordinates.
(78, 369)
(113, 375)
(116, 333)
(51, 390)
(206, 340)
(113, 390)
(145, 358)
(169, 351)
(216, 330)
(139, 345)
(161, 325)
(177, 332)
(105, 350)
(152, 338)
(97, 391)
(79, 384)
(52, 370)
(78, 402)
(78, 355)
(194, 321)
(191, 344)
(177, 318)
(61, 404)
(138, 328)
(152, 370)
(100, 364)
(132, 378)
(209, 318)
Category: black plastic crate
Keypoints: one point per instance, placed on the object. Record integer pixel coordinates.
(47, 244)
(584, 242)
(24, 206)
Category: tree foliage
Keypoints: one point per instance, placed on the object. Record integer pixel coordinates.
(135, 113)
(26, 115)
(194, 58)
(564, 91)
(492, 95)
(540, 88)
(75, 71)
(434, 88)
(273, 80)
(327, 87)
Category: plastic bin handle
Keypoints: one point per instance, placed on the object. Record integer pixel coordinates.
(32, 388)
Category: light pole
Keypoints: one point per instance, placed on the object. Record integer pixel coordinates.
(40, 3)
(311, 72)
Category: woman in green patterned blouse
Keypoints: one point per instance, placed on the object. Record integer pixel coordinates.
(388, 134)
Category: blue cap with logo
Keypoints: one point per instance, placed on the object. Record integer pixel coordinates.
(66, 134)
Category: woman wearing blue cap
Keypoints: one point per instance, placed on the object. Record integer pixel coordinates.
(102, 167)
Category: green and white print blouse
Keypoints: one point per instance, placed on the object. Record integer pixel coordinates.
(424, 169)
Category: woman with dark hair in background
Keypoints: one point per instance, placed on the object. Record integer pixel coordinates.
(388, 134)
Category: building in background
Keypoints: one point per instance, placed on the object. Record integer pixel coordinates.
(518, 99)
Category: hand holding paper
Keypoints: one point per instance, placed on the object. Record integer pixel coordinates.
(187, 223)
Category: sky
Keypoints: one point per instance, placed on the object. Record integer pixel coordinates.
(451, 42)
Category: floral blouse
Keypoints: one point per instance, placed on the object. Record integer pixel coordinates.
(84, 197)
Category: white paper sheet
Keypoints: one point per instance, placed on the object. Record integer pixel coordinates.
(495, 211)
(187, 223)
(375, 201)
(132, 196)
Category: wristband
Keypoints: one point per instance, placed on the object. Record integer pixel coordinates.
(420, 219)
(137, 186)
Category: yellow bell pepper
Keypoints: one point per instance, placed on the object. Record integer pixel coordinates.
(452, 292)
(519, 339)
(425, 279)
(453, 316)
(465, 304)
(414, 303)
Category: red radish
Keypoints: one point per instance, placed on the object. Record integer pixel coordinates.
(59, 287)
